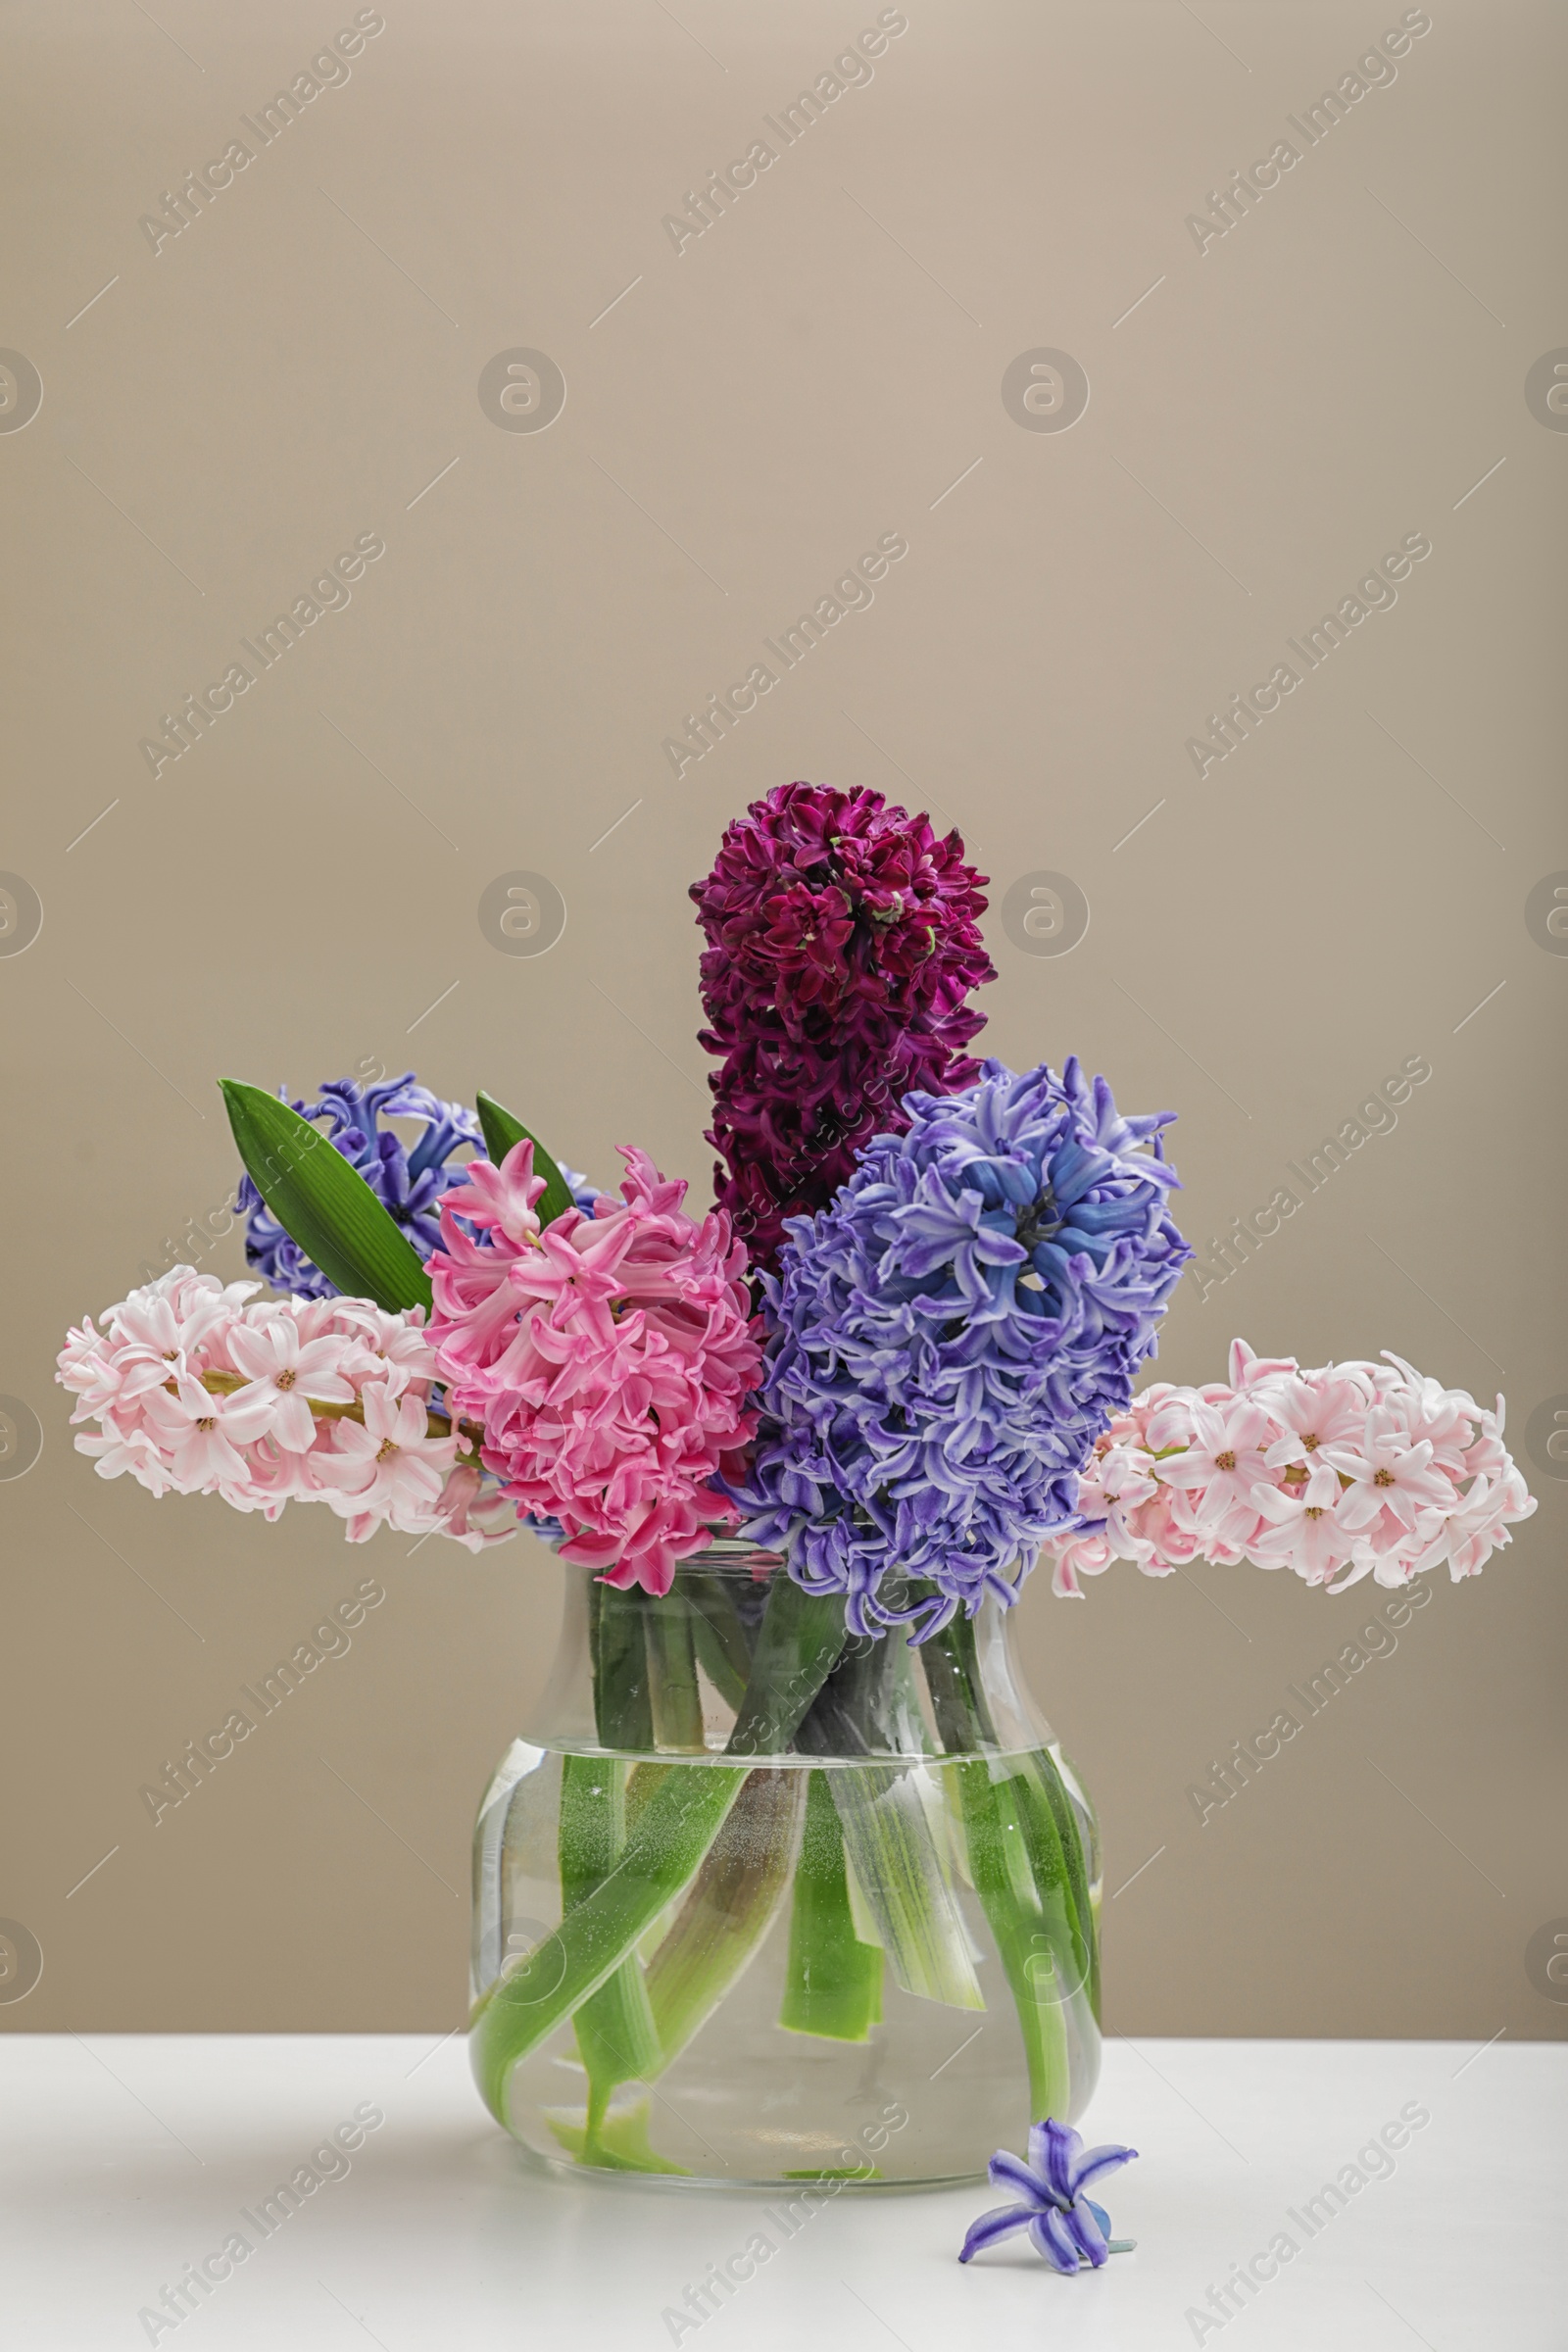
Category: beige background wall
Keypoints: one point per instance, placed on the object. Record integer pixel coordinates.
(824, 366)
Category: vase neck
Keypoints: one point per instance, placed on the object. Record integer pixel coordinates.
(736, 1658)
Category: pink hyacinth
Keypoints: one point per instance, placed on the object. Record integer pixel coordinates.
(1355, 1470)
(198, 1387)
(609, 1359)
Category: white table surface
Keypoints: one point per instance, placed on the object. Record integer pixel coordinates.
(123, 2157)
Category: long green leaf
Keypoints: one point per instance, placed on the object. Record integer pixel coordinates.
(617, 2039)
(728, 1909)
(502, 1131)
(323, 1203)
(893, 1851)
(664, 1851)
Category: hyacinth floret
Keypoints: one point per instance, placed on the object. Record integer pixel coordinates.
(951, 1336)
(843, 943)
(409, 1181)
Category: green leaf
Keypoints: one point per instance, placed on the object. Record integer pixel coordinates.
(728, 1909)
(323, 1203)
(664, 1851)
(501, 1132)
(832, 1981)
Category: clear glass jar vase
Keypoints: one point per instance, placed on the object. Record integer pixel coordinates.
(758, 1902)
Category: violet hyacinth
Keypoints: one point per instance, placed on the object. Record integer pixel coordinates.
(409, 1182)
(1064, 2225)
(841, 946)
(951, 1337)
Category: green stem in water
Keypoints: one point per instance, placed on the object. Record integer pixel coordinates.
(623, 1706)
(900, 1869)
(832, 1981)
(728, 1909)
(678, 1700)
(1026, 1861)
(617, 2039)
(670, 1828)
(800, 1636)
(664, 1851)
(1031, 1961)
(1040, 1768)
(722, 1650)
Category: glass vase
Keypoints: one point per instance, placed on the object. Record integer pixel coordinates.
(759, 1901)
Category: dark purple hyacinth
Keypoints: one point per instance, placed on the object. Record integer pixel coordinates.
(842, 947)
(1064, 2225)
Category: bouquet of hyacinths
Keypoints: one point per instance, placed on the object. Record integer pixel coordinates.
(804, 1448)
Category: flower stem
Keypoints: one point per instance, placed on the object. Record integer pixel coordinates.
(622, 1705)
(1026, 1860)
(728, 1909)
(901, 1872)
(833, 1981)
(677, 1702)
(224, 1384)
(722, 1650)
(958, 1695)
(617, 2039)
(800, 1636)
(998, 1859)
(663, 1849)
(1041, 1767)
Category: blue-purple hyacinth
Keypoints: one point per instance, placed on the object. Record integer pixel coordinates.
(949, 1337)
(409, 1182)
(1064, 2226)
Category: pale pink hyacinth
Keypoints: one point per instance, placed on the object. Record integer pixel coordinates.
(198, 1387)
(1354, 1470)
(609, 1359)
